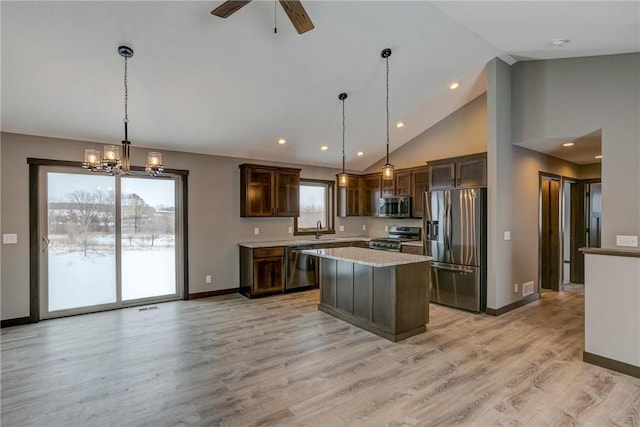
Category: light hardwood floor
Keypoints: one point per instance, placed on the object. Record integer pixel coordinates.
(278, 361)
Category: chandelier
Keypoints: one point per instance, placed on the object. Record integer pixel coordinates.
(342, 177)
(116, 160)
(387, 169)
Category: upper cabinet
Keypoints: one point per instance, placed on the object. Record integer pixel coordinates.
(371, 192)
(350, 197)
(467, 171)
(269, 191)
(403, 183)
(419, 184)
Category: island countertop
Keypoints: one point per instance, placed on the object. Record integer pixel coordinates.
(298, 242)
(370, 257)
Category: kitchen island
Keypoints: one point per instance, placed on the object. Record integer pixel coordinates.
(383, 292)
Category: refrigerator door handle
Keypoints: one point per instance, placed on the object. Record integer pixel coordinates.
(427, 231)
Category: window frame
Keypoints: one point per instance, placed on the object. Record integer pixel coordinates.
(329, 227)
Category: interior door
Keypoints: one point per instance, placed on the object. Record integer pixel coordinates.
(550, 256)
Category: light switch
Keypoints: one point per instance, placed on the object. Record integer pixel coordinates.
(507, 235)
(364, 227)
(290, 230)
(256, 231)
(10, 239)
(386, 228)
(628, 241)
(342, 228)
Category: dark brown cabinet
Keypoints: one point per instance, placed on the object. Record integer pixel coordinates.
(403, 183)
(261, 271)
(350, 197)
(419, 184)
(371, 185)
(269, 191)
(467, 171)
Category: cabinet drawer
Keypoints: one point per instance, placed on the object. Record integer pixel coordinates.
(415, 250)
(268, 252)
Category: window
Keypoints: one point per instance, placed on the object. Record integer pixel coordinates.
(316, 204)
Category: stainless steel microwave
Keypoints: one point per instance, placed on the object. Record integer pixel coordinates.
(395, 207)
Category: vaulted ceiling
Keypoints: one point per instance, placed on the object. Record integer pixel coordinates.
(231, 87)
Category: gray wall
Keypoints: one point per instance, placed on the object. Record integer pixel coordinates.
(462, 132)
(573, 97)
(215, 226)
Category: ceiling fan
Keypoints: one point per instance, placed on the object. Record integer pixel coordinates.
(293, 8)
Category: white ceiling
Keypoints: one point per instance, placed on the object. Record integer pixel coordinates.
(582, 152)
(232, 87)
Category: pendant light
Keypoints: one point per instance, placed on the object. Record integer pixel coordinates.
(343, 177)
(116, 160)
(387, 169)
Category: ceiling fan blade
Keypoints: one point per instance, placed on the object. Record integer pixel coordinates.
(228, 8)
(297, 15)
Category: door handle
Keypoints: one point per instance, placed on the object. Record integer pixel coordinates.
(457, 270)
(45, 244)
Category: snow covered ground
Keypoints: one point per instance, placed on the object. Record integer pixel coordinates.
(79, 281)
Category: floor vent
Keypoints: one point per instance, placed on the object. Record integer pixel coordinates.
(527, 289)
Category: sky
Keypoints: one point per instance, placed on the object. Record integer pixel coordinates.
(154, 191)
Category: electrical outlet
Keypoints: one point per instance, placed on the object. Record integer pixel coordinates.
(386, 228)
(507, 235)
(207, 278)
(10, 239)
(515, 288)
(290, 230)
(628, 241)
(364, 227)
(342, 228)
(256, 231)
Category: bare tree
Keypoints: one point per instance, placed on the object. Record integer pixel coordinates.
(83, 216)
(106, 208)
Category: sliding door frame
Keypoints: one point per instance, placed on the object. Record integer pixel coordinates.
(34, 230)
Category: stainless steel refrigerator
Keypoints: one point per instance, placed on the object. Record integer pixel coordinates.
(455, 235)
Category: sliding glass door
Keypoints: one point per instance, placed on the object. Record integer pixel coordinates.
(106, 242)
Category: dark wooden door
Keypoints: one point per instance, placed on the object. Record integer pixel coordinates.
(442, 176)
(370, 194)
(268, 274)
(260, 197)
(288, 193)
(403, 183)
(420, 184)
(472, 172)
(550, 259)
(578, 231)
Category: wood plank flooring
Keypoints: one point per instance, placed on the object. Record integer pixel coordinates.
(231, 361)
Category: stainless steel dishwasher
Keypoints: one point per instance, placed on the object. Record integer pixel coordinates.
(302, 269)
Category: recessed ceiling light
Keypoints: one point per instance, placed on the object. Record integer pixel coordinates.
(324, 148)
(400, 125)
(282, 141)
(568, 144)
(360, 153)
(454, 86)
(559, 42)
(599, 156)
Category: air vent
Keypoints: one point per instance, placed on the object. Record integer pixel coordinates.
(527, 289)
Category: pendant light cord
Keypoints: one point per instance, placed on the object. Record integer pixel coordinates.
(126, 101)
(343, 133)
(387, 59)
(275, 17)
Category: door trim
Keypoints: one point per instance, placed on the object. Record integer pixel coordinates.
(34, 233)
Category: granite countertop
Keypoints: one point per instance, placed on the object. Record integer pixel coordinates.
(310, 241)
(370, 257)
(631, 252)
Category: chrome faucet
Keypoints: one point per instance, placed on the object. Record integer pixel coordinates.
(318, 228)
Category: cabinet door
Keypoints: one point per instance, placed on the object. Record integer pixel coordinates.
(268, 274)
(259, 192)
(442, 175)
(419, 184)
(388, 187)
(371, 194)
(288, 193)
(353, 196)
(403, 183)
(472, 172)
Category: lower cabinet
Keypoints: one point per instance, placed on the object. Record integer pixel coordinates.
(262, 271)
